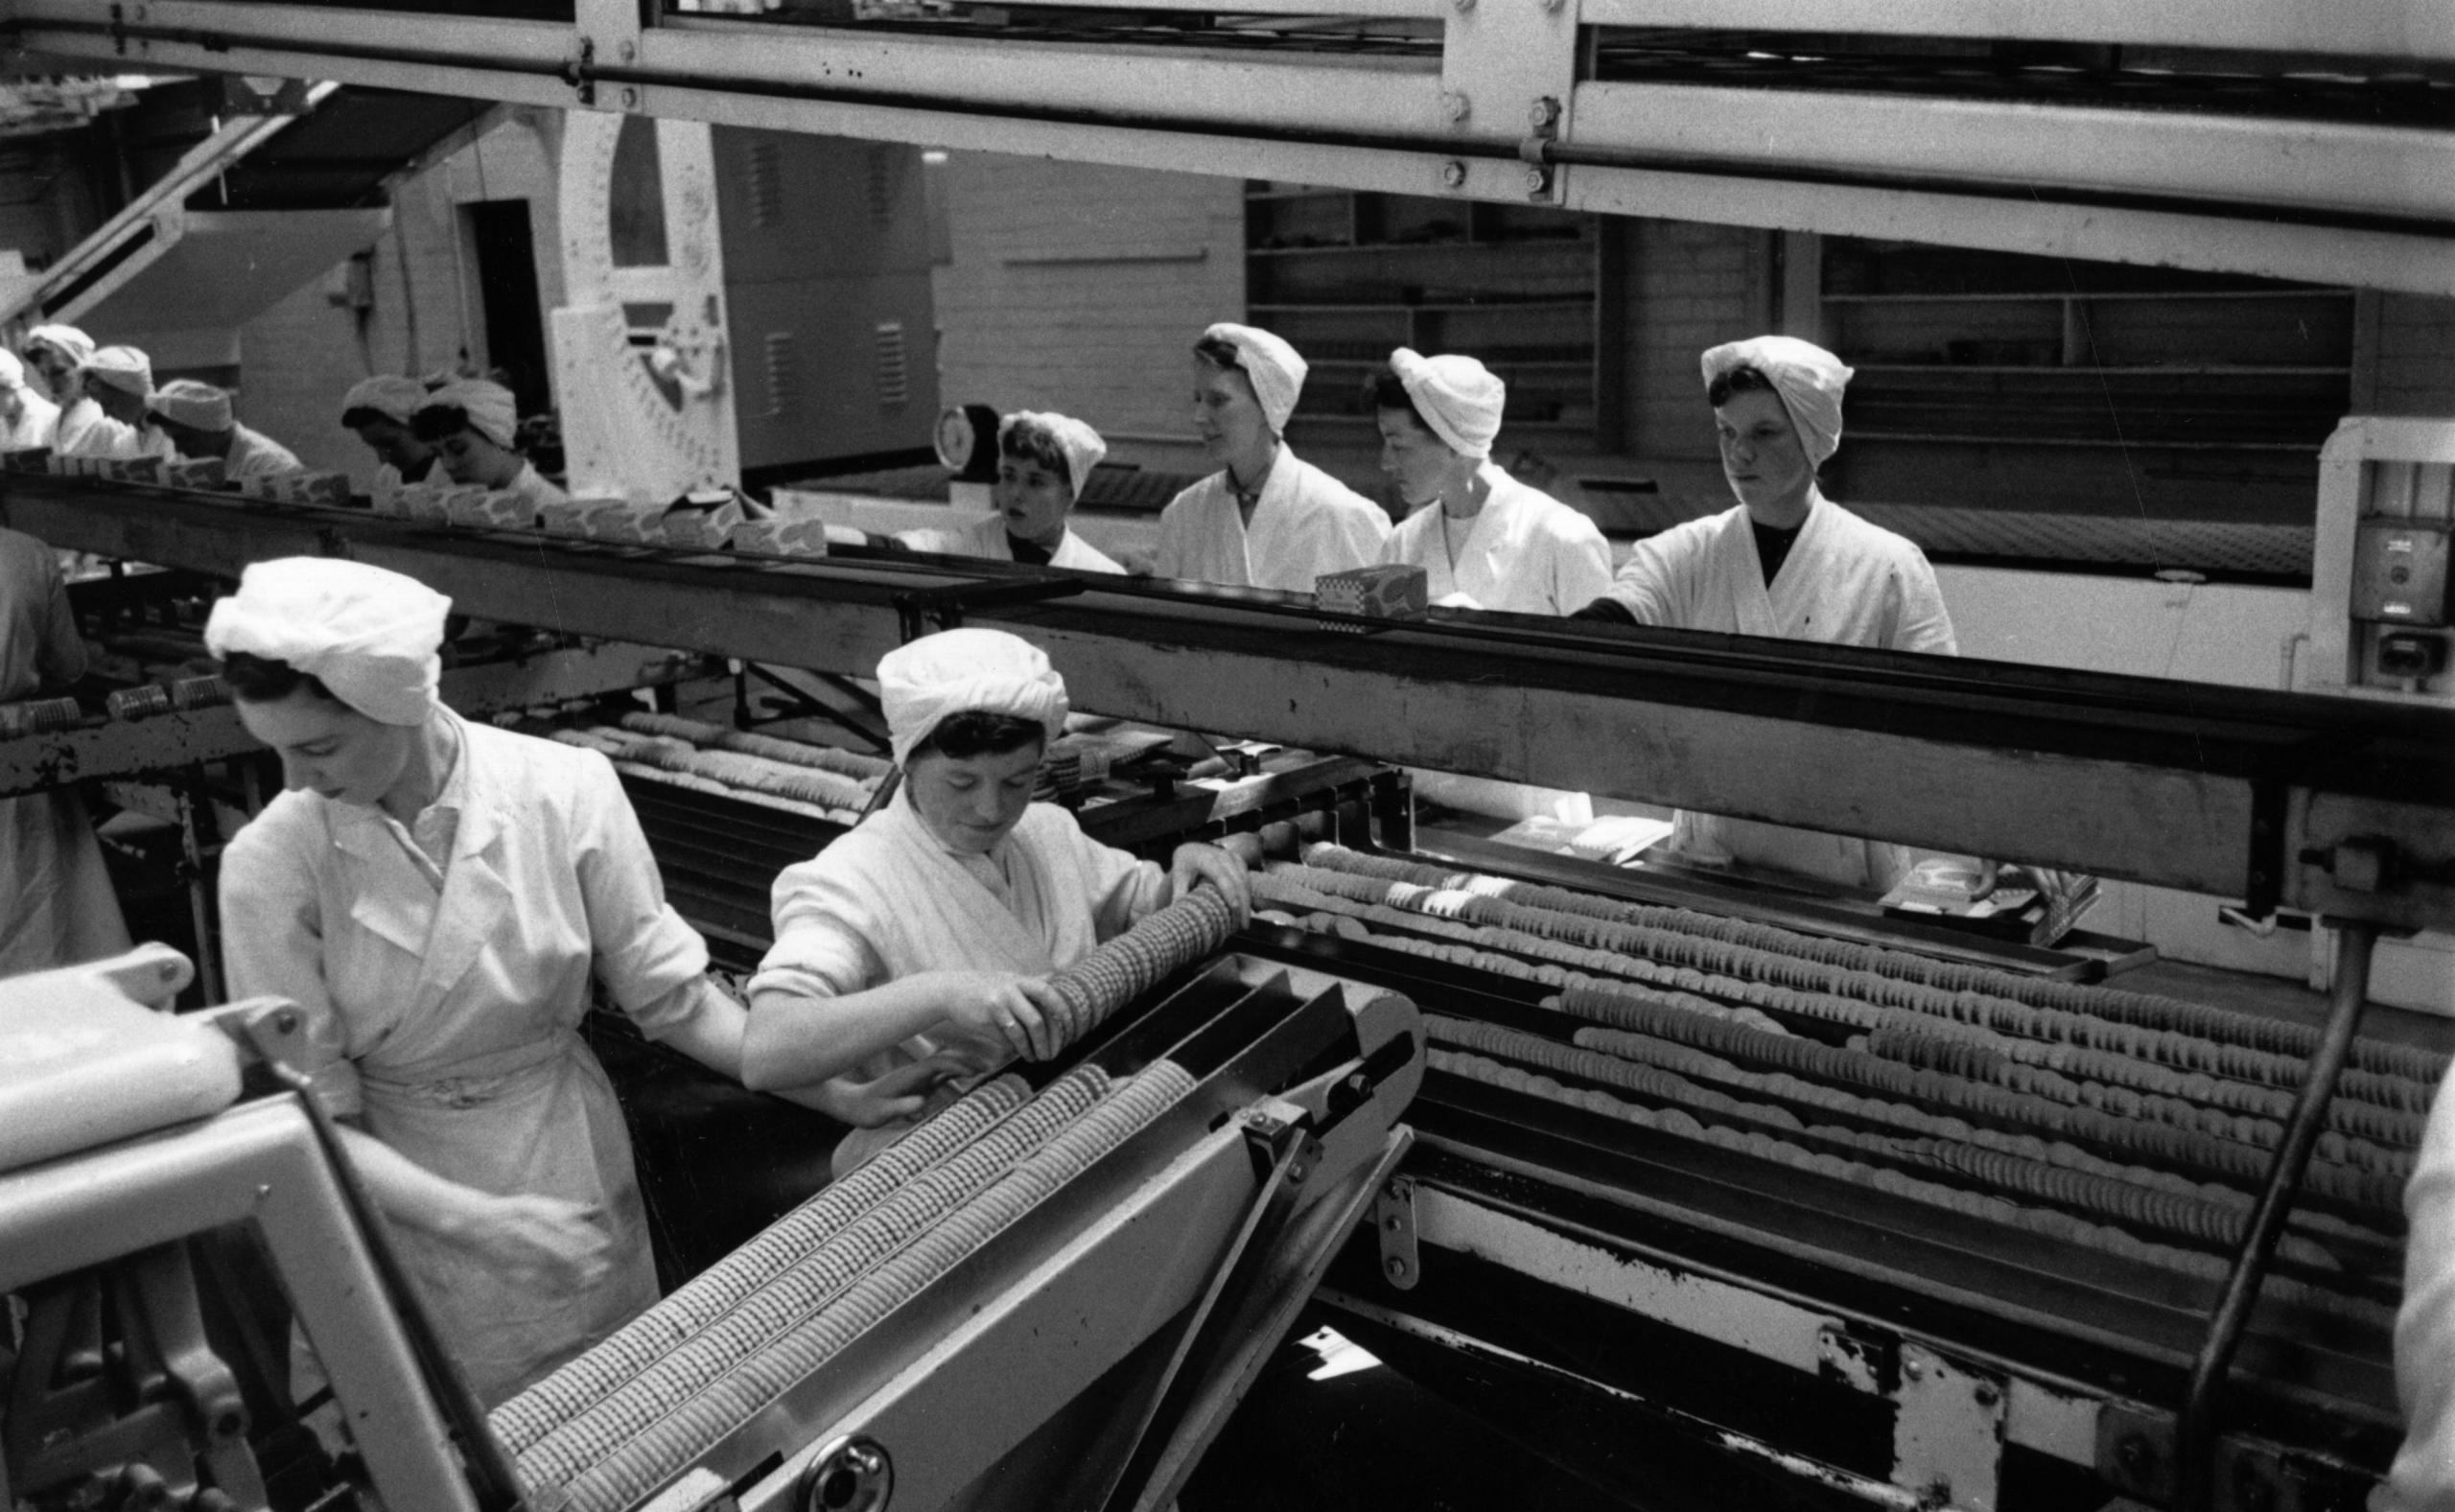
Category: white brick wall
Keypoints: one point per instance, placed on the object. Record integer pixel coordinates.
(1081, 288)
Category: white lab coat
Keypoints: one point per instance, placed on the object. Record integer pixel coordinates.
(460, 1007)
(256, 455)
(1845, 582)
(56, 907)
(84, 431)
(2422, 1478)
(1305, 524)
(888, 900)
(1523, 553)
(987, 539)
(38, 423)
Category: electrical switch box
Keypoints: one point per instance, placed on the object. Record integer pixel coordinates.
(2399, 573)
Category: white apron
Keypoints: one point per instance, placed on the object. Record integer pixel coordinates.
(459, 1008)
(1845, 582)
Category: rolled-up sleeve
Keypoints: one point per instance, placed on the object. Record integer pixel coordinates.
(821, 948)
(646, 954)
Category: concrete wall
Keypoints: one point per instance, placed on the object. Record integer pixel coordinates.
(1081, 288)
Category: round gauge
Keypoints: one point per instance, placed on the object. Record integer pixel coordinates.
(967, 441)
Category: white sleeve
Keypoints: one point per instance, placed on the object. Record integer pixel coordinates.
(1647, 582)
(821, 949)
(2423, 1478)
(1580, 567)
(1920, 622)
(272, 939)
(644, 949)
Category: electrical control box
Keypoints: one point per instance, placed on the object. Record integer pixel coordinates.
(2399, 573)
(2379, 622)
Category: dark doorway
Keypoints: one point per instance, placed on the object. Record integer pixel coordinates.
(507, 296)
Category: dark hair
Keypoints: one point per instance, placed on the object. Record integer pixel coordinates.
(265, 680)
(1740, 380)
(1219, 351)
(978, 732)
(1389, 392)
(1026, 442)
(434, 421)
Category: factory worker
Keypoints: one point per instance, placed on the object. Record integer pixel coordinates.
(196, 418)
(1485, 539)
(27, 419)
(1786, 563)
(2422, 1477)
(53, 354)
(1268, 518)
(922, 941)
(56, 907)
(470, 423)
(437, 894)
(1044, 460)
(110, 419)
(382, 410)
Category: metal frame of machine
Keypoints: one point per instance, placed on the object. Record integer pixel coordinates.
(1507, 108)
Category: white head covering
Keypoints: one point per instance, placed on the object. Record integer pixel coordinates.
(1809, 379)
(957, 670)
(370, 635)
(122, 367)
(1080, 443)
(388, 394)
(1457, 396)
(199, 406)
(1276, 372)
(492, 411)
(72, 343)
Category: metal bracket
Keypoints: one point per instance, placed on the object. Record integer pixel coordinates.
(580, 73)
(2135, 1457)
(1393, 1223)
(1948, 1435)
(914, 607)
(1512, 62)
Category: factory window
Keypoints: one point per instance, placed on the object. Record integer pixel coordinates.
(1987, 380)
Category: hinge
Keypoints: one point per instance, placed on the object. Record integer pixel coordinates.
(1393, 1223)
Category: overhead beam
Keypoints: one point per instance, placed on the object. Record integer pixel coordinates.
(2214, 790)
(2277, 197)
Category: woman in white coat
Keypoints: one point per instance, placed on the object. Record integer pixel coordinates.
(1044, 460)
(1787, 562)
(921, 942)
(1268, 518)
(438, 895)
(1485, 539)
(56, 907)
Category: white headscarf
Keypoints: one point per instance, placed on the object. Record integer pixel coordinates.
(1276, 372)
(122, 367)
(1457, 396)
(69, 341)
(1808, 378)
(198, 405)
(370, 635)
(1080, 443)
(492, 411)
(958, 670)
(388, 394)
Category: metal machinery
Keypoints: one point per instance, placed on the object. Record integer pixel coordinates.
(1873, 1352)
(1107, 1252)
(1921, 1362)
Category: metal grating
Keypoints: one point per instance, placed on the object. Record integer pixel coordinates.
(782, 370)
(764, 171)
(895, 365)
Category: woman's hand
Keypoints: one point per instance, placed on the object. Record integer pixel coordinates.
(544, 1238)
(1201, 863)
(899, 1094)
(1020, 1011)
